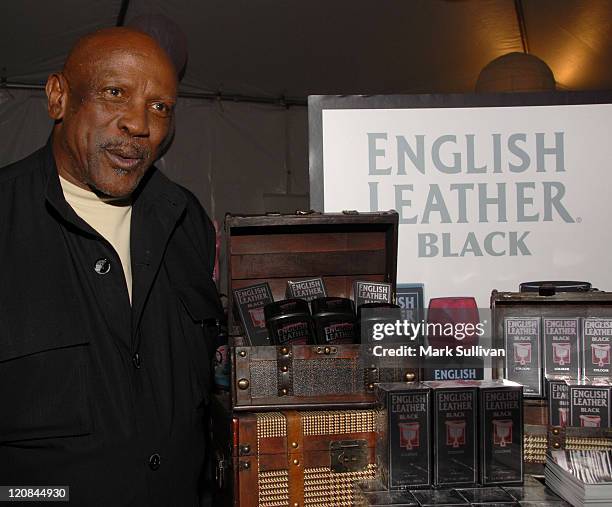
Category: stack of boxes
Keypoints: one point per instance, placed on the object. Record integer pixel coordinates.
(451, 444)
(450, 434)
(574, 356)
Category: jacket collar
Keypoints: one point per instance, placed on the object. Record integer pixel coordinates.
(54, 193)
(158, 205)
(155, 189)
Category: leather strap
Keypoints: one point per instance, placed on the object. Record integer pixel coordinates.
(295, 458)
(246, 462)
(284, 363)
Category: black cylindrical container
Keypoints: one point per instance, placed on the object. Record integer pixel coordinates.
(550, 288)
(334, 320)
(370, 314)
(289, 322)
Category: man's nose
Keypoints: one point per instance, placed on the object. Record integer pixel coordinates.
(134, 119)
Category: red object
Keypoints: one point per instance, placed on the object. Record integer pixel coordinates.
(452, 321)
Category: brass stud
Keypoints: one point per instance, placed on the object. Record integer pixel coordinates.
(295, 504)
(296, 462)
(246, 449)
(410, 376)
(555, 431)
(285, 369)
(243, 384)
(556, 445)
(284, 351)
(326, 350)
(370, 386)
(294, 445)
(242, 353)
(284, 390)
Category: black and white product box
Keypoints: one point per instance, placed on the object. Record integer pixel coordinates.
(455, 429)
(410, 300)
(501, 432)
(250, 302)
(596, 348)
(371, 292)
(561, 347)
(558, 402)
(589, 404)
(404, 450)
(523, 362)
(306, 289)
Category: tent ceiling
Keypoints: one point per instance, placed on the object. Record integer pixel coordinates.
(293, 48)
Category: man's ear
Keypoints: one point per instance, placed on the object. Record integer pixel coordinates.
(57, 95)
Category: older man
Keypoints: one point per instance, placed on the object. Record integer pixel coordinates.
(106, 293)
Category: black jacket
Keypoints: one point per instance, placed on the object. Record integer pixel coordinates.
(94, 394)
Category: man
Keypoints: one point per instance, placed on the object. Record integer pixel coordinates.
(106, 291)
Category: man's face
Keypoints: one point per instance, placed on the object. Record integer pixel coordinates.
(119, 111)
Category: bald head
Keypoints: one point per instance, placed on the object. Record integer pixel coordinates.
(91, 48)
(113, 106)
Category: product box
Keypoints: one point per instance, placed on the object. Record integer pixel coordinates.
(455, 433)
(308, 290)
(250, 302)
(561, 356)
(371, 292)
(596, 345)
(589, 404)
(558, 401)
(403, 448)
(523, 362)
(501, 432)
(409, 297)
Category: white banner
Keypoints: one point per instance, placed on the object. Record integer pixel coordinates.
(488, 197)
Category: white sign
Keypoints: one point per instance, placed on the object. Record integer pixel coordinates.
(488, 197)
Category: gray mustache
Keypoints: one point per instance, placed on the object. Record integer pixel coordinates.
(126, 149)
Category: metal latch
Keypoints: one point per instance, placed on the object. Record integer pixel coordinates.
(327, 350)
(371, 377)
(348, 455)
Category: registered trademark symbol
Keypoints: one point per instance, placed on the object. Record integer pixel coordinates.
(579, 220)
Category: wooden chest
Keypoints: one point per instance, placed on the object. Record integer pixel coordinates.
(339, 247)
(539, 435)
(286, 458)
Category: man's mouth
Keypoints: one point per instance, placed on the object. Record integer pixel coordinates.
(123, 159)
